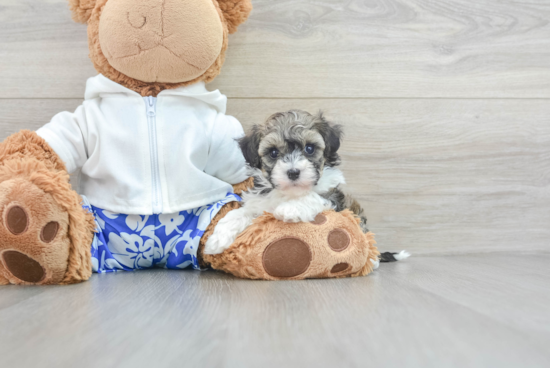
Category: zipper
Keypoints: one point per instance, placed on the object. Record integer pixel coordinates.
(151, 103)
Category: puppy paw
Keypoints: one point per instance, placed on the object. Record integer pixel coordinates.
(289, 215)
(287, 212)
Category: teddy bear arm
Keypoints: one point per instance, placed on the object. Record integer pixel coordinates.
(243, 186)
(26, 145)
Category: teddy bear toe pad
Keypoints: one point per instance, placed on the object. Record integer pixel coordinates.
(340, 267)
(338, 240)
(34, 245)
(23, 267)
(17, 220)
(48, 233)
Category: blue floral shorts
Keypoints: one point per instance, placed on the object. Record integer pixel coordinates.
(134, 242)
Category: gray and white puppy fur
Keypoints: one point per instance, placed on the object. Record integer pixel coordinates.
(297, 152)
(293, 158)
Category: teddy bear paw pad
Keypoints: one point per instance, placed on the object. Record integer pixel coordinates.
(49, 231)
(340, 267)
(17, 221)
(330, 246)
(22, 266)
(338, 240)
(320, 219)
(287, 257)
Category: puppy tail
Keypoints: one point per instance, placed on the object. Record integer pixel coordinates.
(394, 257)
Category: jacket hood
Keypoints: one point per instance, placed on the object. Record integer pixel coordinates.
(102, 87)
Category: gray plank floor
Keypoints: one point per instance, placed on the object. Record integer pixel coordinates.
(477, 310)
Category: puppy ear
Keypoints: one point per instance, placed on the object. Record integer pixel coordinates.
(235, 12)
(250, 145)
(332, 134)
(82, 9)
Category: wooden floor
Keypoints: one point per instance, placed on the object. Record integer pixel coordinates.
(475, 310)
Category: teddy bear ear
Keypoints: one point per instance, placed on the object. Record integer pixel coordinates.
(235, 12)
(82, 9)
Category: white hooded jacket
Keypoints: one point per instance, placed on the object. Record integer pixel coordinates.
(149, 155)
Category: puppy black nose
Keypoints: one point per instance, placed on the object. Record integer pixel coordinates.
(293, 174)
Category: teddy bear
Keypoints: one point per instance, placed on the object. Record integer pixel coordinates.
(160, 164)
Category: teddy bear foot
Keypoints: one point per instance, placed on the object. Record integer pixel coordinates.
(332, 246)
(34, 246)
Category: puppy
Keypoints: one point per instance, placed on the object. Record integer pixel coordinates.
(293, 158)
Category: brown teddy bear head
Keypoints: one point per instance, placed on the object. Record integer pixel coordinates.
(152, 45)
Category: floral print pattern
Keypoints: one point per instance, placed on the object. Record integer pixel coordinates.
(134, 242)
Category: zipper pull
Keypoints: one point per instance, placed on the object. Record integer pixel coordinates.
(151, 106)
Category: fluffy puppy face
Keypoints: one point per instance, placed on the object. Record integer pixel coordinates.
(292, 148)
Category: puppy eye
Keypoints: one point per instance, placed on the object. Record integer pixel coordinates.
(310, 149)
(274, 153)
